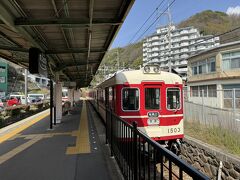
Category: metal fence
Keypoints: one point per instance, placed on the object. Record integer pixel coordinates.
(220, 109)
(139, 157)
(228, 99)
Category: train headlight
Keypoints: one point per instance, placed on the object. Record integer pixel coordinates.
(152, 69)
(146, 69)
(156, 69)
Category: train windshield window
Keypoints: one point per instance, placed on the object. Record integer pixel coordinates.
(173, 98)
(130, 99)
(152, 98)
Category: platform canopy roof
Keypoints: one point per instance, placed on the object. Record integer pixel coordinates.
(73, 34)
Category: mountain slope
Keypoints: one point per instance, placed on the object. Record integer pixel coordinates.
(208, 22)
(215, 22)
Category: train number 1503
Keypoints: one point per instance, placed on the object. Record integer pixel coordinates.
(173, 130)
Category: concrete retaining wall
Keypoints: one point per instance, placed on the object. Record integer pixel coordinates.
(206, 158)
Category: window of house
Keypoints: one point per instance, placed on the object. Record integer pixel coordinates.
(2, 69)
(231, 60)
(194, 69)
(130, 99)
(200, 69)
(203, 91)
(235, 62)
(152, 98)
(204, 66)
(2, 79)
(173, 98)
(211, 65)
(194, 90)
(212, 91)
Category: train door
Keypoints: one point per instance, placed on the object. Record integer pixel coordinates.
(152, 103)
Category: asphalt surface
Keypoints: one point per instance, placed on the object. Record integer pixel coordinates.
(40, 154)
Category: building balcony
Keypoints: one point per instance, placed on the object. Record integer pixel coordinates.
(184, 56)
(155, 38)
(155, 44)
(155, 55)
(181, 70)
(155, 49)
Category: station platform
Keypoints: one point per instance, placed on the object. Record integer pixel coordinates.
(74, 150)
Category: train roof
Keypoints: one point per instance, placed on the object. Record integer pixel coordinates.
(137, 76)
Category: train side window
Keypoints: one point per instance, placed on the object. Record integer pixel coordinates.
(130, 99)
(173, 98)
(152, 98)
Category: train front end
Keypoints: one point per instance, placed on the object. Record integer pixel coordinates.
(153, 99)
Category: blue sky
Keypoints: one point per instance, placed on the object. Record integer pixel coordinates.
(181, 9)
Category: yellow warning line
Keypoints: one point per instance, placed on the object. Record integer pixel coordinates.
(22, 127)
(33, 138)
(19, 149)
(82, 141)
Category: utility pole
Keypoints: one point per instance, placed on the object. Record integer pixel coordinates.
(26, 86)
(117, 60)
(169, 39)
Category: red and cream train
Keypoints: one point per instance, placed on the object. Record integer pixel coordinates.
(149, 96)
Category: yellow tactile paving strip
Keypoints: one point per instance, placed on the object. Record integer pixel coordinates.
(82, 141)
(21, 128)
(82, 134)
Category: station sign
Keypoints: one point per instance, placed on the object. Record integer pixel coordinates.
(37, 62)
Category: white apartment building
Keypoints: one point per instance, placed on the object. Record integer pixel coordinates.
(184, 42)
(41, 81)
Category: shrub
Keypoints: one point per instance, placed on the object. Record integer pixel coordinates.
(46, 104)
(38, 105)
(1, 122)
(26, 108)
(13, 110)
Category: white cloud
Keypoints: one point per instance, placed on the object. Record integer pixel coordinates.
(233, 10)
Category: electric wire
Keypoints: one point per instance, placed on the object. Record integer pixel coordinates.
(155, 20)
(146, 21)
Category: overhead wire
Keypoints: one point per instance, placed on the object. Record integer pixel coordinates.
(146, 21)
(148, 27)
(194, 44)
(156, 20)
(130, 43)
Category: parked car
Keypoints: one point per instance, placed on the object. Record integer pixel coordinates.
(13, 101)
(34, 99)
(21, 98)
(37, 97)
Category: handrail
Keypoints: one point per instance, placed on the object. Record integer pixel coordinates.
(137, 154)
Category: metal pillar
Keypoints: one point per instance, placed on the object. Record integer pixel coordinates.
(58, 101)
(76, 95)
(70, 96)
(26, 86)
(54, 120)
(54, 104)
(51, 104)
